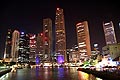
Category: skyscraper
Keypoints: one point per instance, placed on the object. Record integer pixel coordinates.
(32, 42)
(15, 45)
(109, 33)
(47, 33)
(24, 48)
(8, 44)
(40, 48)
(60, 36)
(83, 38)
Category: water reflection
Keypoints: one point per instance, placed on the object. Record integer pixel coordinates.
(85, 76)
(48, 73)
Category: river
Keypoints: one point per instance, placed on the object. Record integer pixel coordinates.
(48, 73)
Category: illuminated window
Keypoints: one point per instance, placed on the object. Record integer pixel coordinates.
(8, 32)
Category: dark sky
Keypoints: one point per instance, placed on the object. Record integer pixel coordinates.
(27, 16)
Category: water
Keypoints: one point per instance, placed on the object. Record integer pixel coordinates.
(47, 73)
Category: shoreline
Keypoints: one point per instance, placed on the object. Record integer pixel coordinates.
(5, 71)
(101, 74)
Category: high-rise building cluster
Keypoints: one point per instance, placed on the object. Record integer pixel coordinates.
(28, 47)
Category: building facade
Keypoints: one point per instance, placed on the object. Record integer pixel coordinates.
(113, 50)
(15, 45)
(109, 33)
(60, 37)
(24, 49)
(47, 34)
(83, 38)
(32, 43)
(40, 48)
(73, 55)
(8, 44)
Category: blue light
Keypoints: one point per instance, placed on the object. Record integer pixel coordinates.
(37, 60)
(60, 59)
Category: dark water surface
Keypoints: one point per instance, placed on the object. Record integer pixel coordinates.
(47, 73)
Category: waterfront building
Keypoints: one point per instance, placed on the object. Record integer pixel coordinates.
(109, 33)
(74, 56)
(8, 45)
(24, 49)
(40, 47)
(60, 37)
(47, 34)
(15, 45)
(32, 42)
(113, 50)
(83, 38)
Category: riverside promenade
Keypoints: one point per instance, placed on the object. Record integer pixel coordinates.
(105, 75)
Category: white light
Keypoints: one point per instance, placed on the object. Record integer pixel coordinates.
(22, 32)
(82, 45)
(57, 8)
(119, 25)
(95, 45)
(32, 37)
(106, 23)
(71, 49)
(76, 47)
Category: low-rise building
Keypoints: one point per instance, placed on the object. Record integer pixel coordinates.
(113, 50)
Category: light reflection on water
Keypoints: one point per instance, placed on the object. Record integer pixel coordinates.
(85, 76)
(47, 73)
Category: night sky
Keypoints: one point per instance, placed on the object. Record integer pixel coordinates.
(27, 16)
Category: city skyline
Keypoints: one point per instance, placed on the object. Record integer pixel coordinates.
(28, 17)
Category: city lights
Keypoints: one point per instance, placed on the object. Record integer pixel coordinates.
(60, 40)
